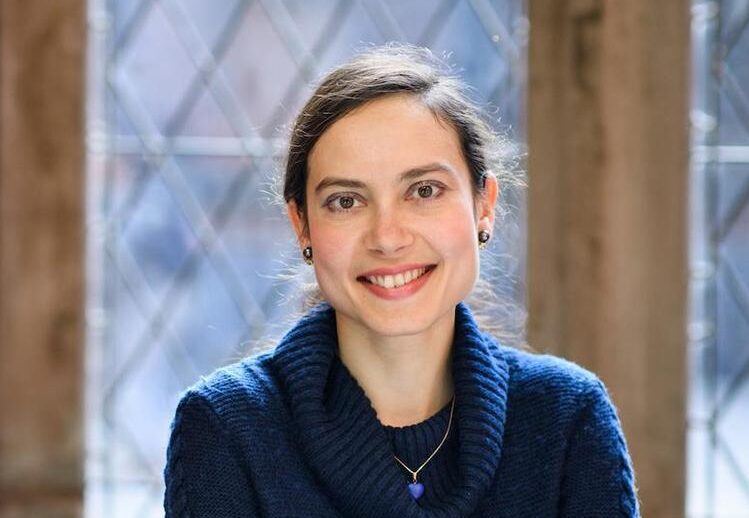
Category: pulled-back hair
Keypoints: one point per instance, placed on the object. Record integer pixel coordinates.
(408, 70)
(382, 71)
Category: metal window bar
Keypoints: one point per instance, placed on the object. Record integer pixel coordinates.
(134, 152)
(718, 455)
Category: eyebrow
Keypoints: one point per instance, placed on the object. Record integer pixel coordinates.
(409, 174)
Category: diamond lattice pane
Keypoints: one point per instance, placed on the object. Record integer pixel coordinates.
(190, 101)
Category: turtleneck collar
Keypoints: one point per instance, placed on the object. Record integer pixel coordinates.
(347, 447)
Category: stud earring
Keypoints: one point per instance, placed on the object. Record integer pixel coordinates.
(307, 254)
(484, 237)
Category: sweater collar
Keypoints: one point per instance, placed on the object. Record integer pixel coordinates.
(347, 447)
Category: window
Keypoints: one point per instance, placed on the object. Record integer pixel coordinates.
(187, 104)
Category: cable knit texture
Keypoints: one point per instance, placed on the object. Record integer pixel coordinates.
(291, 433)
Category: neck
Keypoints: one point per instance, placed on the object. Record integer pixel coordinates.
(407, 378)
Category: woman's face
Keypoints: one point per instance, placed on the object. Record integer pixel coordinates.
(392, 218)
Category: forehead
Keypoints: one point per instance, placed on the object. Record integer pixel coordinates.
(385, 137)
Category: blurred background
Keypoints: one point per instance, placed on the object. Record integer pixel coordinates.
(178, 248)
(189, 103)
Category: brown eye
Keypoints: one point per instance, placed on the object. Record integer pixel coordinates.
(425, 191)
(346, 202)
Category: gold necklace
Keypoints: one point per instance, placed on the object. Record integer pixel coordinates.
(416, 488)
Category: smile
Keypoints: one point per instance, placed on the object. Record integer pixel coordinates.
(396, 285)
(396, 281)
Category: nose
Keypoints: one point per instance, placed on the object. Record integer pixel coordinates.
(388, 231)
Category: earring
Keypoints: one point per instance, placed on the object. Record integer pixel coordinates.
(307, 254)
(484, 237)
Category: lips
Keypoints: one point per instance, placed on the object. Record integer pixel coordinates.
(399, 282)
(394, 270)
(395, 277)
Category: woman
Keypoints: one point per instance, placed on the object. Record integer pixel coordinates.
(388, 399)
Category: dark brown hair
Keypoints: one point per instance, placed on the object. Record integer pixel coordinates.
(408, 70)
(389, 70)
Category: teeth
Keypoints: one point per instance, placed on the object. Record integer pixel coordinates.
(396, 281)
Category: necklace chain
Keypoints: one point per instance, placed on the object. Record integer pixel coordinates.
(415, 473)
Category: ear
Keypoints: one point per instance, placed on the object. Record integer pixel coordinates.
(298, 222)
(487, 202)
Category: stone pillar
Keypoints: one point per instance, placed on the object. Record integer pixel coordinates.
(607, 217)
(42, 56)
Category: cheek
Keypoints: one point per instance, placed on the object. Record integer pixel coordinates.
(333, 250)
(455, 233)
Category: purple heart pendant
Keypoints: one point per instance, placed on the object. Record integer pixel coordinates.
(416, 489)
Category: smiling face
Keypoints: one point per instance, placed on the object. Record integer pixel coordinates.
(392, 218)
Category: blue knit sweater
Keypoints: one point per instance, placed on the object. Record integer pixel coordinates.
(291, 433)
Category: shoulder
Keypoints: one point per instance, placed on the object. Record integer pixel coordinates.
(236, 392)
(542, 383)
(533, 371)
(564, 410)
(561, 403)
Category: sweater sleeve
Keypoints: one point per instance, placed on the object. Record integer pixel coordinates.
(598, 480)
(203, 476)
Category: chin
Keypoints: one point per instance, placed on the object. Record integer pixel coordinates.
(397, 327)
(403, 320)
(385, 322)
